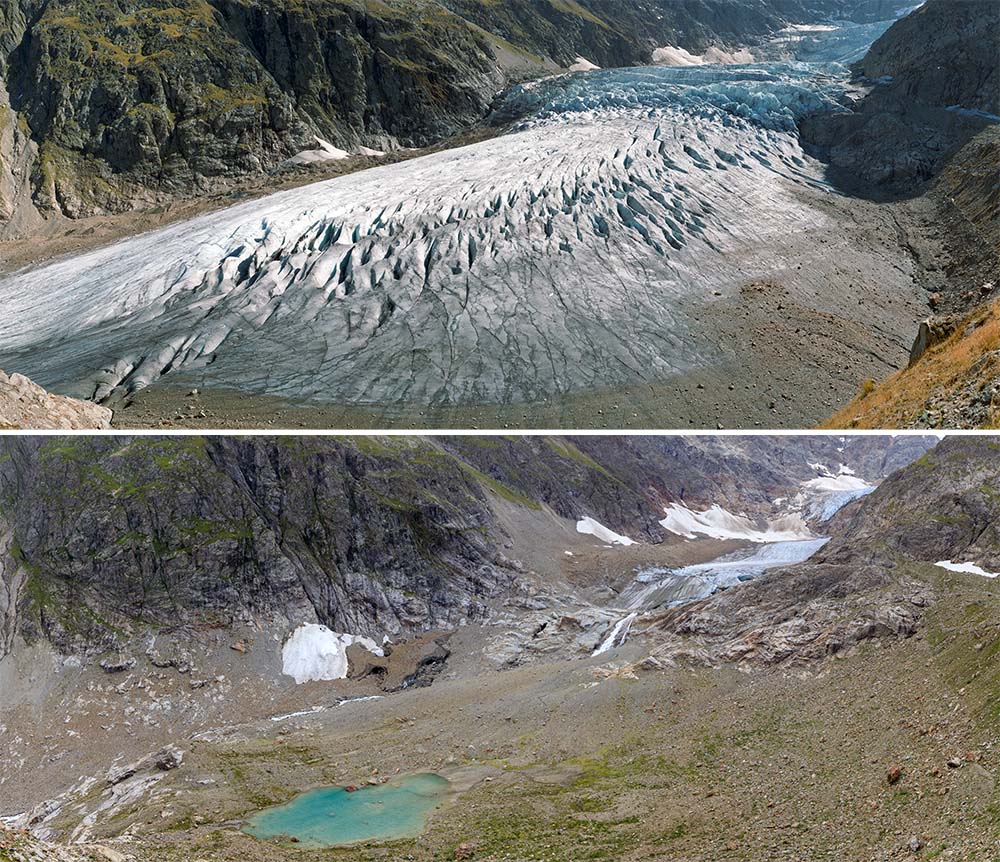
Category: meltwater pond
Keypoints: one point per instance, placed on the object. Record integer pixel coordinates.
(332, 816)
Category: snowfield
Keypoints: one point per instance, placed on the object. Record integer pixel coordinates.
(575, 252)
(968, 568)
(718, 523)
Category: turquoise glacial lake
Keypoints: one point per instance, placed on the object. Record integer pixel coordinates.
(330, 816)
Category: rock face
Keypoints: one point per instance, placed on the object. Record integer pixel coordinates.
(105, 536)
(129, 100)
(794, 616)
(952, 508)
(25, 405)
(118, 104)
(934, 84)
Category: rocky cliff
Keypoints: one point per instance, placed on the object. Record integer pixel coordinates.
(943, 506)
(931, 83)
(107, 537)
(25, 406)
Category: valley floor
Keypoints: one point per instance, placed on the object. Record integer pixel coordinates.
(564, 761)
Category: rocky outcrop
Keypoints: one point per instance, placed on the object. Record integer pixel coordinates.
(130, 101)
(792, 617)
(12, 580)
(188, 530)
(25, 405)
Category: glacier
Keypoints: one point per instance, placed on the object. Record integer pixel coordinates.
(659, 587)
(577, 251)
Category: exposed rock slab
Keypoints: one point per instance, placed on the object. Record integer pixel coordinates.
(26, 405)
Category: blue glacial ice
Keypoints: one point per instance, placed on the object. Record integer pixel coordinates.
(771, 96)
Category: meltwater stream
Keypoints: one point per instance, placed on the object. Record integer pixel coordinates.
(573, 252)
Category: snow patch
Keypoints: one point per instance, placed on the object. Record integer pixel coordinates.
(325, 152)
(597, 529)
(718, 523)
(322, 707)
(671, 56)
(968, 568)
(582, 64)
(810, 28)
(314, 652)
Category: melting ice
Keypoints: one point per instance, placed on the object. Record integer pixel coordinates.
(658, 587)
(561, 256)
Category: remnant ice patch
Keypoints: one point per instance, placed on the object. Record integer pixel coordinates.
(968, 568)
(617, 634)
(597, 529)
(582, 64)
(718, 523)
(314, 652)
(325, 152)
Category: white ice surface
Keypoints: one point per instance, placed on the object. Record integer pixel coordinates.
(596, 528)
(314, 652)
(582, 64)
(563, 255)
(821, 498)
(657, 587)
(968, 568)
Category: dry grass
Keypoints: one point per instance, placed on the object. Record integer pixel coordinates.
(943, 370)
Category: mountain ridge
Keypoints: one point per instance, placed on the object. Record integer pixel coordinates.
(108, 106)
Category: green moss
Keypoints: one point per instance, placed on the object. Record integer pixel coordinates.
(567, 450)
(501, 490)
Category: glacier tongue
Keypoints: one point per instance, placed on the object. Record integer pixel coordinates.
(571, 253)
